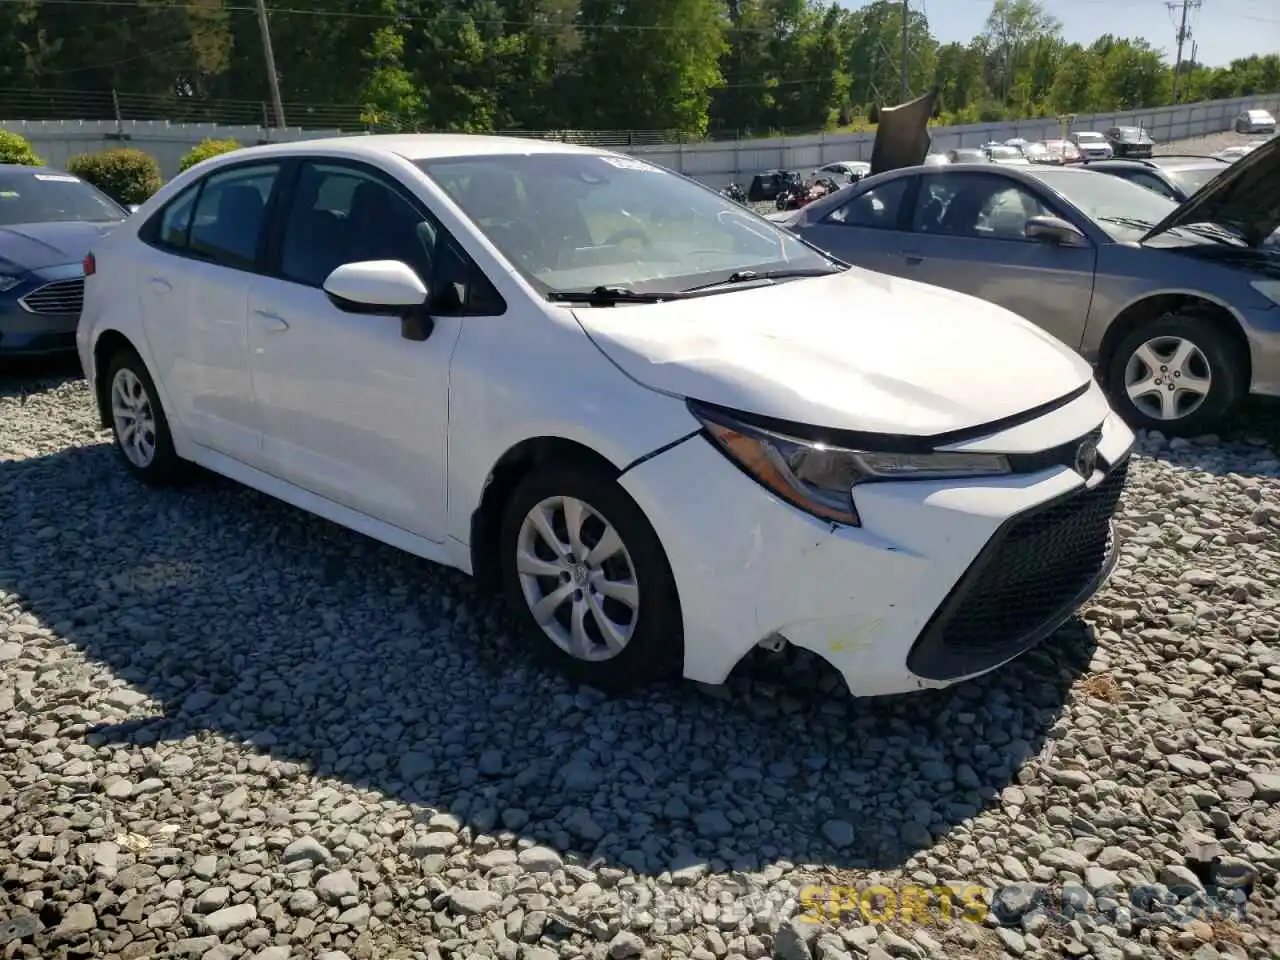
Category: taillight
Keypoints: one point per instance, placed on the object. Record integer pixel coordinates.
(90, 265)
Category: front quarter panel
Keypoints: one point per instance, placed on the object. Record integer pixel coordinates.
(532, 373)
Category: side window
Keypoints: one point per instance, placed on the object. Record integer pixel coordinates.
(343, 214)
(876, 208)
(340, 214)
(978, 206)
(229, 214)
(170, 226)
(1153, 183)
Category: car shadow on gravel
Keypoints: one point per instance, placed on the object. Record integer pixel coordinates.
(1247, 444)
(21, 378)
(336, 656)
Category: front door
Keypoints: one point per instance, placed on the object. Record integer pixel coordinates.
(350, 410)
(968, 234)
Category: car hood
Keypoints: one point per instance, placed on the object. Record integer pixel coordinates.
(853, 351)
(31, 246)
(902, 134)
(1244, 196)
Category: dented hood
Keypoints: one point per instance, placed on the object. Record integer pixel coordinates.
(856, 351)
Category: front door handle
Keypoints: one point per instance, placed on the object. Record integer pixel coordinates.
(913, 259)
(273, 322)
(160, 283)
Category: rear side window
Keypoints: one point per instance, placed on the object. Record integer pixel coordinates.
(219, 219)
(877, 208)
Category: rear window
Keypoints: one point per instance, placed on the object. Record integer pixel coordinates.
(1191, 179)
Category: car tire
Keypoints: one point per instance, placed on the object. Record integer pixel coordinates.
(633, 582)
(1196, 346)
(139, 424)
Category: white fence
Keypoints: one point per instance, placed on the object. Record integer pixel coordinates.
(715, 162)
(721, 161)
(57, 141)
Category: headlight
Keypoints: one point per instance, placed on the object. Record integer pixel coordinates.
(819, 478)
(8, 283)
(1269, 289)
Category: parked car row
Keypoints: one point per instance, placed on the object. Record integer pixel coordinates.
(1162, 272)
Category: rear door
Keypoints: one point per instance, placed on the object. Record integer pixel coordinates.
(968, 234)
(200, 254)
(869, 229)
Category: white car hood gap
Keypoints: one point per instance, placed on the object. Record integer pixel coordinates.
(858, 351)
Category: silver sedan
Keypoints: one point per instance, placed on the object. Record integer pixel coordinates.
(1177, 305)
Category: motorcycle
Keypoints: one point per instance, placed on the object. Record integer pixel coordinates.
(734, 192)
(800, 194)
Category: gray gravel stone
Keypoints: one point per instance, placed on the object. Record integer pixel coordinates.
(229, 730)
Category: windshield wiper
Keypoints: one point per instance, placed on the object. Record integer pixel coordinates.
(605, 296)
(1133, 222)
(1215, 231)
(748, 276)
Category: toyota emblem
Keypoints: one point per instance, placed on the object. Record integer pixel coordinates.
(1087, 459)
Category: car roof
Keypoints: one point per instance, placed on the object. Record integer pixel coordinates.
(425, 146)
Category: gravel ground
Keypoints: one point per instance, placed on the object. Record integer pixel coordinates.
(231, 730)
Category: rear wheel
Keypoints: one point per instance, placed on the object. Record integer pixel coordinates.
(585, 574)
(1182, 374)
(138, 422)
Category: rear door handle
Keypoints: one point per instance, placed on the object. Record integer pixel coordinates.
(272, 321)
(913, 259)
(160, 283)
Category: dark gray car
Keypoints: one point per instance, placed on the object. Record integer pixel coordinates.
(1177, 305)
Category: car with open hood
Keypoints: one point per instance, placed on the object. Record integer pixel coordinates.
(620, 398)
(1130, 142)
(1177, 306)
(48, 221)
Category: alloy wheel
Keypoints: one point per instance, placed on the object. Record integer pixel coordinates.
(1168, 378)
(134, 418)
(577, 578)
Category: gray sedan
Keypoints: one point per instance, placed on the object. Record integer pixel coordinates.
(1177, 305)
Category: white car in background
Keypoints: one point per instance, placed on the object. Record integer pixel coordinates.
(1092, 145)
(1238, 152)
(668, 430)
(843, 171)
(1255, 121)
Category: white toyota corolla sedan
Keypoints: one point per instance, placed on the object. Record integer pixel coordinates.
(666, 429)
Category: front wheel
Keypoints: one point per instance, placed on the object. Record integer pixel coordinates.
(586, 576)
(1182, 374)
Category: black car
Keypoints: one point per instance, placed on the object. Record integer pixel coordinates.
(767, 185)
(1175, 177)
(48, 221)
(1130, 142)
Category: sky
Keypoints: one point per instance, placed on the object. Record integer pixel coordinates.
(1222, 29)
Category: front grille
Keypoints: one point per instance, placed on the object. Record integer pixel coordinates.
(1063, 455)
(61, 296)
(1029, 577)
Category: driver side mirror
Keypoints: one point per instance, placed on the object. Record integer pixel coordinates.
(382, 288)
(1054, 230)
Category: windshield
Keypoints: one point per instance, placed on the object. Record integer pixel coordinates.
(40, 197)
(575, 222)
(1107, 199)
(1191, 179)
(1090, 138)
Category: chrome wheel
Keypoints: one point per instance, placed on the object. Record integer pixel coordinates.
(134, 418)
(577, 578)
(1168, 378)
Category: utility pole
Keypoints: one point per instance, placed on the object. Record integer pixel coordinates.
(906, 86)
(268, 55)
(1183, 34)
